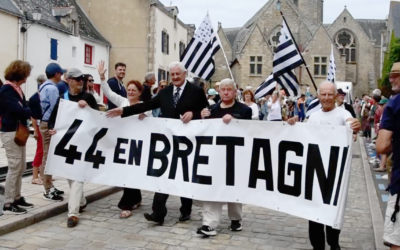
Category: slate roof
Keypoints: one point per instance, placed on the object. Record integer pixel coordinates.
(166, 10)
(395, 16)
(8, 7)
(373, 29)
(87, 29)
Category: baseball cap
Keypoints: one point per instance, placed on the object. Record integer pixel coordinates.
(54, 68)
(383, 101)
(74, 73)
(212, 92)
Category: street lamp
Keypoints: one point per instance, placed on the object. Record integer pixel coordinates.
(278, 5)
(36, 16)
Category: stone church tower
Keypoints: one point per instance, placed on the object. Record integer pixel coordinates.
(356, 43)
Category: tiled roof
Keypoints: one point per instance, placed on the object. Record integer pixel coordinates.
(9, 7)
(373, 29)
(49, 7)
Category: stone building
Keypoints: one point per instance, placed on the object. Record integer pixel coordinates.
(144, 34)
(356, 42)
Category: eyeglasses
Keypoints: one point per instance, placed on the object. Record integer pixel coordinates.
(90, 80)
(78, 79)
(162, 86)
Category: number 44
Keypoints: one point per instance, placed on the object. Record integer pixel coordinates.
(73, 154)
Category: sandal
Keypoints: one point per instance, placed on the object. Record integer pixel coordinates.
(125, 214)
(37, 182)
(379, 170)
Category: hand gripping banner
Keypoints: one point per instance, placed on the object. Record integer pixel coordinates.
(302, 170)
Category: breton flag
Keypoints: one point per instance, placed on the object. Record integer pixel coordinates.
(314, 106)
(332, 68)
(286, 59)
(198, 56)
(266, 88)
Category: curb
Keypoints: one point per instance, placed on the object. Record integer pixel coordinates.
(376, 214)
(22, 221)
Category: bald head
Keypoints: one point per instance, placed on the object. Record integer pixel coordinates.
(327, 85)
(327, 94)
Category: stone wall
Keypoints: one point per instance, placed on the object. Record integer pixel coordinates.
(365, 53)
(313, 9)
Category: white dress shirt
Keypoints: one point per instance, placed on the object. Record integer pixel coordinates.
(181, 91)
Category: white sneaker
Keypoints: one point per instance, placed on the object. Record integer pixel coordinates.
(385, 177)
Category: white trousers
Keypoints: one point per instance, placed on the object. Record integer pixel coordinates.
(76, 198)
(212, 212)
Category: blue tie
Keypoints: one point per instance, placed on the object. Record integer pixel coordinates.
(176, 96)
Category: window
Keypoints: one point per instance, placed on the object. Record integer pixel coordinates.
(164, 43)
(320, 66)
(256, 65)
(182, 48)
(346, 44)
(161, 75)
(88, 54)
(53, 49)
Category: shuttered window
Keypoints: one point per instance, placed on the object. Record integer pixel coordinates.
(53, 49)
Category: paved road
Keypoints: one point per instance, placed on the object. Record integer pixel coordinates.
(100, 227)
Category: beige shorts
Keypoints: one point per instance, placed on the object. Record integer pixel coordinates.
(392, 230)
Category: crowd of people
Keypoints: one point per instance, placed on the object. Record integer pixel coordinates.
(184, 100)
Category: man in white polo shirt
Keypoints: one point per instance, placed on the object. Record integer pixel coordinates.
(329, 115)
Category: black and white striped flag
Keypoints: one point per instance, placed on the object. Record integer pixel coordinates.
(198, 56)
(286, 59)
(314, 106)
(266, 88)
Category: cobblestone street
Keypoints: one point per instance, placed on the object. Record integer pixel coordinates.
(101, 228)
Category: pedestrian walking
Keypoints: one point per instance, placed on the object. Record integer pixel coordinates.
(49, 95)
(116, 82)
(75, 93)
(388, 142)
(228, 109)
(14, 115)
(182, 100)
(329, 115)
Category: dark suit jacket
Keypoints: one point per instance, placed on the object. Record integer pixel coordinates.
(192, 99)
(349, 108)
(116, 87)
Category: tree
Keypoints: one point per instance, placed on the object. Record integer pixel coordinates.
(392, 56)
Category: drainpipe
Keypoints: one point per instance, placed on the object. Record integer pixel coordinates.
(19, 39)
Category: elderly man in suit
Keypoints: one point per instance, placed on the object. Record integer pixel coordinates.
(181, 100)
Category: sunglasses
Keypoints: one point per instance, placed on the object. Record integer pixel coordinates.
(78, 79)
(91, 81)
(163, 86)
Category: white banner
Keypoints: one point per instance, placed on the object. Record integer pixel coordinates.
(302, 170)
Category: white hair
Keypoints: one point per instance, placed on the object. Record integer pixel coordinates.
(327, 82)
(228, 81)
(41, 79)
(149, 76)
(179, 64)
(377, 92)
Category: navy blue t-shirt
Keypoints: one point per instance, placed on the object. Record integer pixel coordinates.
(34, 105)
(391, 122)
(62, 86)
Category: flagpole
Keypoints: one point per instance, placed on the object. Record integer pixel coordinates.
(223, 51)
(305, 64)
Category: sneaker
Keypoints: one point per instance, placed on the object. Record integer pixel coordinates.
(58, 192)
(22, 203)
(236, 226)
(385, 177)
(206, 230)
(13, 209)
(52, 196)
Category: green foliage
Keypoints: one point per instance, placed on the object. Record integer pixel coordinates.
(391, 56)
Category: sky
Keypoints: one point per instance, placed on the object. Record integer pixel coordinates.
(235, 13)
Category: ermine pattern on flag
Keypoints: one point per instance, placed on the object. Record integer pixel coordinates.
(314, 106)
(287, 57)
(266, 88)
(332, 68)
(198, 56)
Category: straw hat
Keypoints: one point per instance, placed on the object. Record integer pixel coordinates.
(395, 68)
